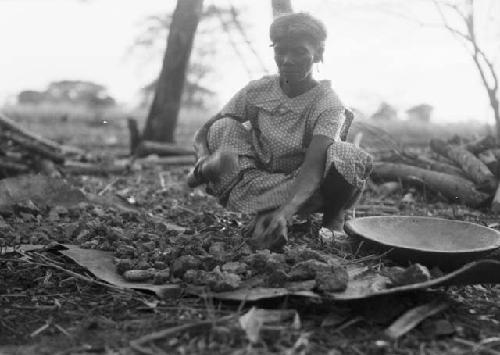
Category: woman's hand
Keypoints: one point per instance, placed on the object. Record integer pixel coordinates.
(270, 231)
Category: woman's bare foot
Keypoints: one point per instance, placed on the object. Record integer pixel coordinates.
(212, 167)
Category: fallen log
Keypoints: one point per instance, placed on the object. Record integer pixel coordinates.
(11, 166)
(474, 168)
(439, 166)
(162, 149)
(481, 145)
(32, 146)
(489, 159)
(6, 124)
(455, 188)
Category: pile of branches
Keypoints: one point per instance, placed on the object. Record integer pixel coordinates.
(462, 171)
(23, 151)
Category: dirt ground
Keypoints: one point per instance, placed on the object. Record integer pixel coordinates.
(47, 309)
(51, 305)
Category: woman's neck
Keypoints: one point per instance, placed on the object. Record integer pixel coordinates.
(293, 89)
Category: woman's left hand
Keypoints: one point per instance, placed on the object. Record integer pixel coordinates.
(270, 231)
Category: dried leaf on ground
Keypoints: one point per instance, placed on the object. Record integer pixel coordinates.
(414, 317)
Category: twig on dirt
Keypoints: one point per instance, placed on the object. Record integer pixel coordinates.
(476, 348)
(62, 330)
(138, 344)
(108, 186)
(42, 328)
(348, 324)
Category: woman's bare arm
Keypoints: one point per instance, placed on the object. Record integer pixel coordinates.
(270, 229)
(201, 140)
(309, 177)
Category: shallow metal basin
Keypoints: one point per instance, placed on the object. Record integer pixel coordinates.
(432, 241)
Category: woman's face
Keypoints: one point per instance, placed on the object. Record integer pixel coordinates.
(295, 58)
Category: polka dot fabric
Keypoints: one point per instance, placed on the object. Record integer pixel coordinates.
(271, 132)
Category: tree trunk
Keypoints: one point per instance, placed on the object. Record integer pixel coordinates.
(281, 7)
(162, 117)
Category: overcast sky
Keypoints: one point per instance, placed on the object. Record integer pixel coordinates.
(376, 51)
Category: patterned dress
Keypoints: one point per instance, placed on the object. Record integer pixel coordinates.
(270, 132)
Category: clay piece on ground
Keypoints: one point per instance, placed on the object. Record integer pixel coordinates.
(416, 273)
(183, 264)
(196, 277)
(335, 281)
(307, 270)
(265, 261)
(161, 276)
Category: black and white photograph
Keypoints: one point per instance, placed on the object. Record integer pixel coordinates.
(245, 177)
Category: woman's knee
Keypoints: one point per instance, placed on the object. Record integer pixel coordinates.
(226, 133)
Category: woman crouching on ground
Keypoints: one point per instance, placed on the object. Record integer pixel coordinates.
(276, 146)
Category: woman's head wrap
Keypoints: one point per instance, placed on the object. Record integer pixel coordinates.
(298, 25)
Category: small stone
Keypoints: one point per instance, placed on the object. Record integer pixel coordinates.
(123, 265)
(138, 275)
(184, 263)
(335, 281)
(235, 267)
(162, 276)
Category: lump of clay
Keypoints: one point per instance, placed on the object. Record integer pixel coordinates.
(183, 264)
(334, 281)
(307, 270)
(265, 261)
(223, 281)
(414, 274)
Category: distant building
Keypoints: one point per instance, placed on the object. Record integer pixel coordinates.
(420, 113)
(385, 112)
